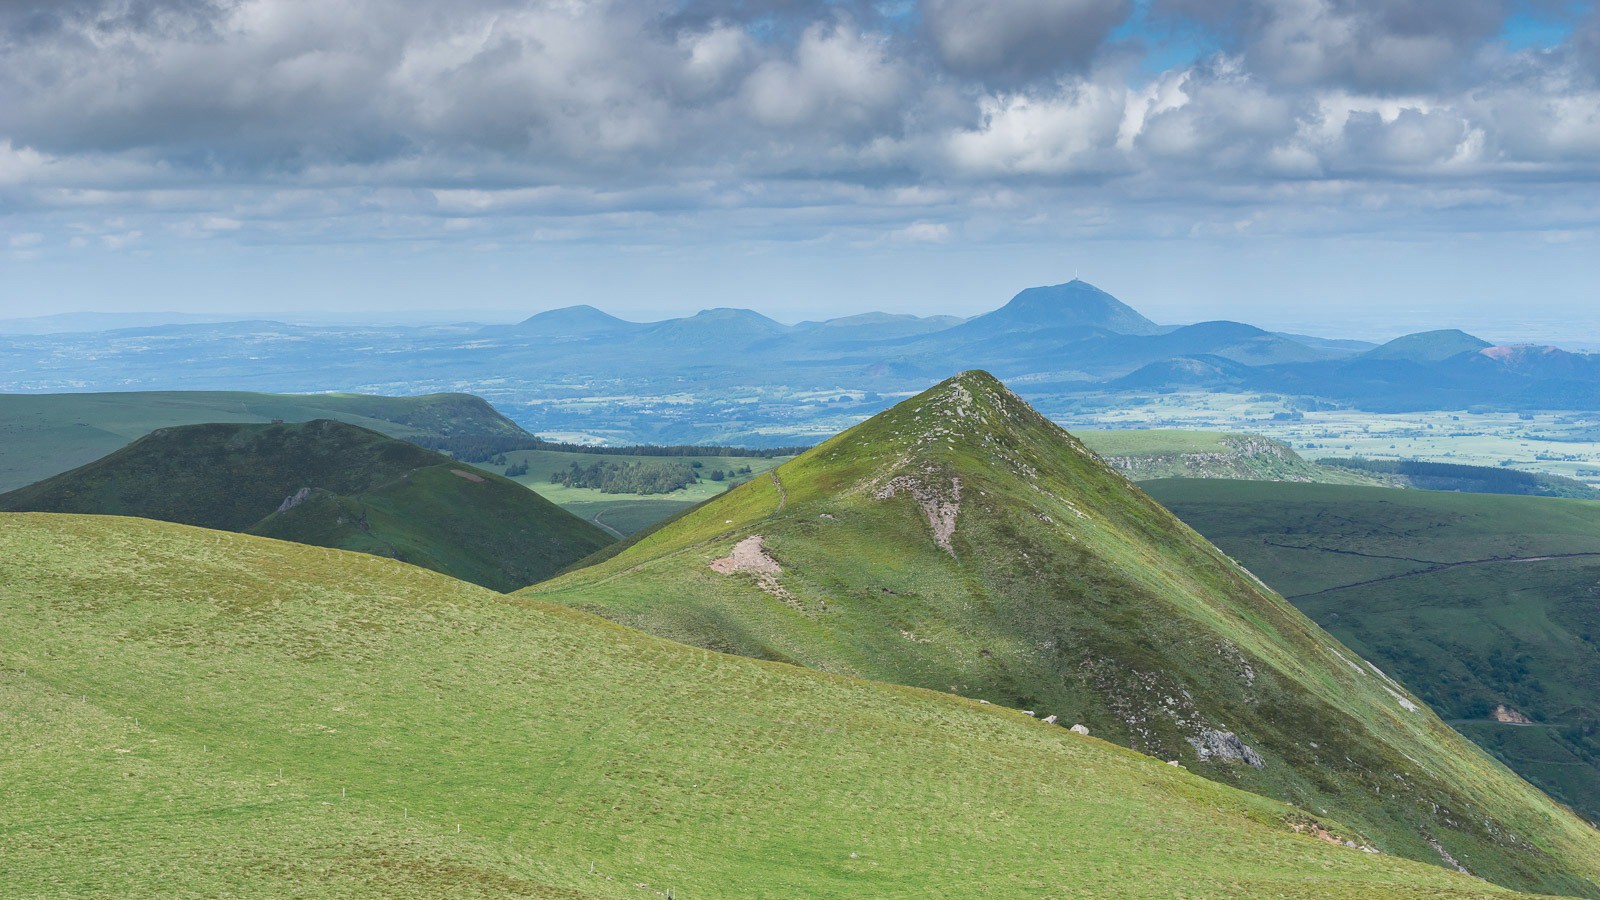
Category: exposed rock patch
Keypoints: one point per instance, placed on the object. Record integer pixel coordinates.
(1510, 716)
(940, 508)
(1225, 746)
(1445, 855)
(294, 499)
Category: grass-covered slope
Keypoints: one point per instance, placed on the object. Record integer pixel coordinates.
(330, 484)
(962, 542)
(1487, 606)
(1143, 454)
(197, 713)
(46, 434)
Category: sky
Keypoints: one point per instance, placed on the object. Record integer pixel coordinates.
(1351, 167)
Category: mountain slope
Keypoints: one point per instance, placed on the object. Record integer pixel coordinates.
(333, 485)
(212, 714)
(1483, 604)
(961, 541)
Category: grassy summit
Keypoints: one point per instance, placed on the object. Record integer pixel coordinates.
(197, 713)
(333, 485)
(962, 542)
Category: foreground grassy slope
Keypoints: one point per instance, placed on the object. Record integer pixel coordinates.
(1477, 602)
(962, 542)
(46, 434)
(343, 486)
(198, 713)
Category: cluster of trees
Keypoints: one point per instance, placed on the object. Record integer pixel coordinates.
(628, 478)
(611, 477)
(719, 475)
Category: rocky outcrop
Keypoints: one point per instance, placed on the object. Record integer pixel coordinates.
(294, 499)
(1224, 746)
(1510, 716)
(940, 508)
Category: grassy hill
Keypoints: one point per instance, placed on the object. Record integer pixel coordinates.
(46, 434)
(333, 485)
(1477, 602)
(199, 713)
(1143, 454)
(962, 542)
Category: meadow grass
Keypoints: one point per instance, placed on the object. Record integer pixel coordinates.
(192, 713)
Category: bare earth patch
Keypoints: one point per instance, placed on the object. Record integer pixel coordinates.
(475, 479)
(750, 555)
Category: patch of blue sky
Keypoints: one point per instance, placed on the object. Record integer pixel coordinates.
(1541, 26)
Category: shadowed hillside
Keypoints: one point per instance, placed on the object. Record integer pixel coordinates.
(46, 434)
(1486, 606)
(333, 485)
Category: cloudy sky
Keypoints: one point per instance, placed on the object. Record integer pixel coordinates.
(1354, 165)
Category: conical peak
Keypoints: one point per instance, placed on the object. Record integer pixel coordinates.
(971, 398)
(967, 420)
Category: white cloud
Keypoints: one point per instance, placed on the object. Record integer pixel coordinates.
(922, 233)
(660, 121)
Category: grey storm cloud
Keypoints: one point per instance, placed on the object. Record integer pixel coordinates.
(1020, 40)
(1369, 45)
(871, 114)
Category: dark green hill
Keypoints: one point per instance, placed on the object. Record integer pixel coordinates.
(333, 485)
(47, 434)
(1478, 602)
(1428, 346)
(201, 714)
(962, 542)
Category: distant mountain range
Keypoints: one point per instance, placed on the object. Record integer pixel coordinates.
(706, 377)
